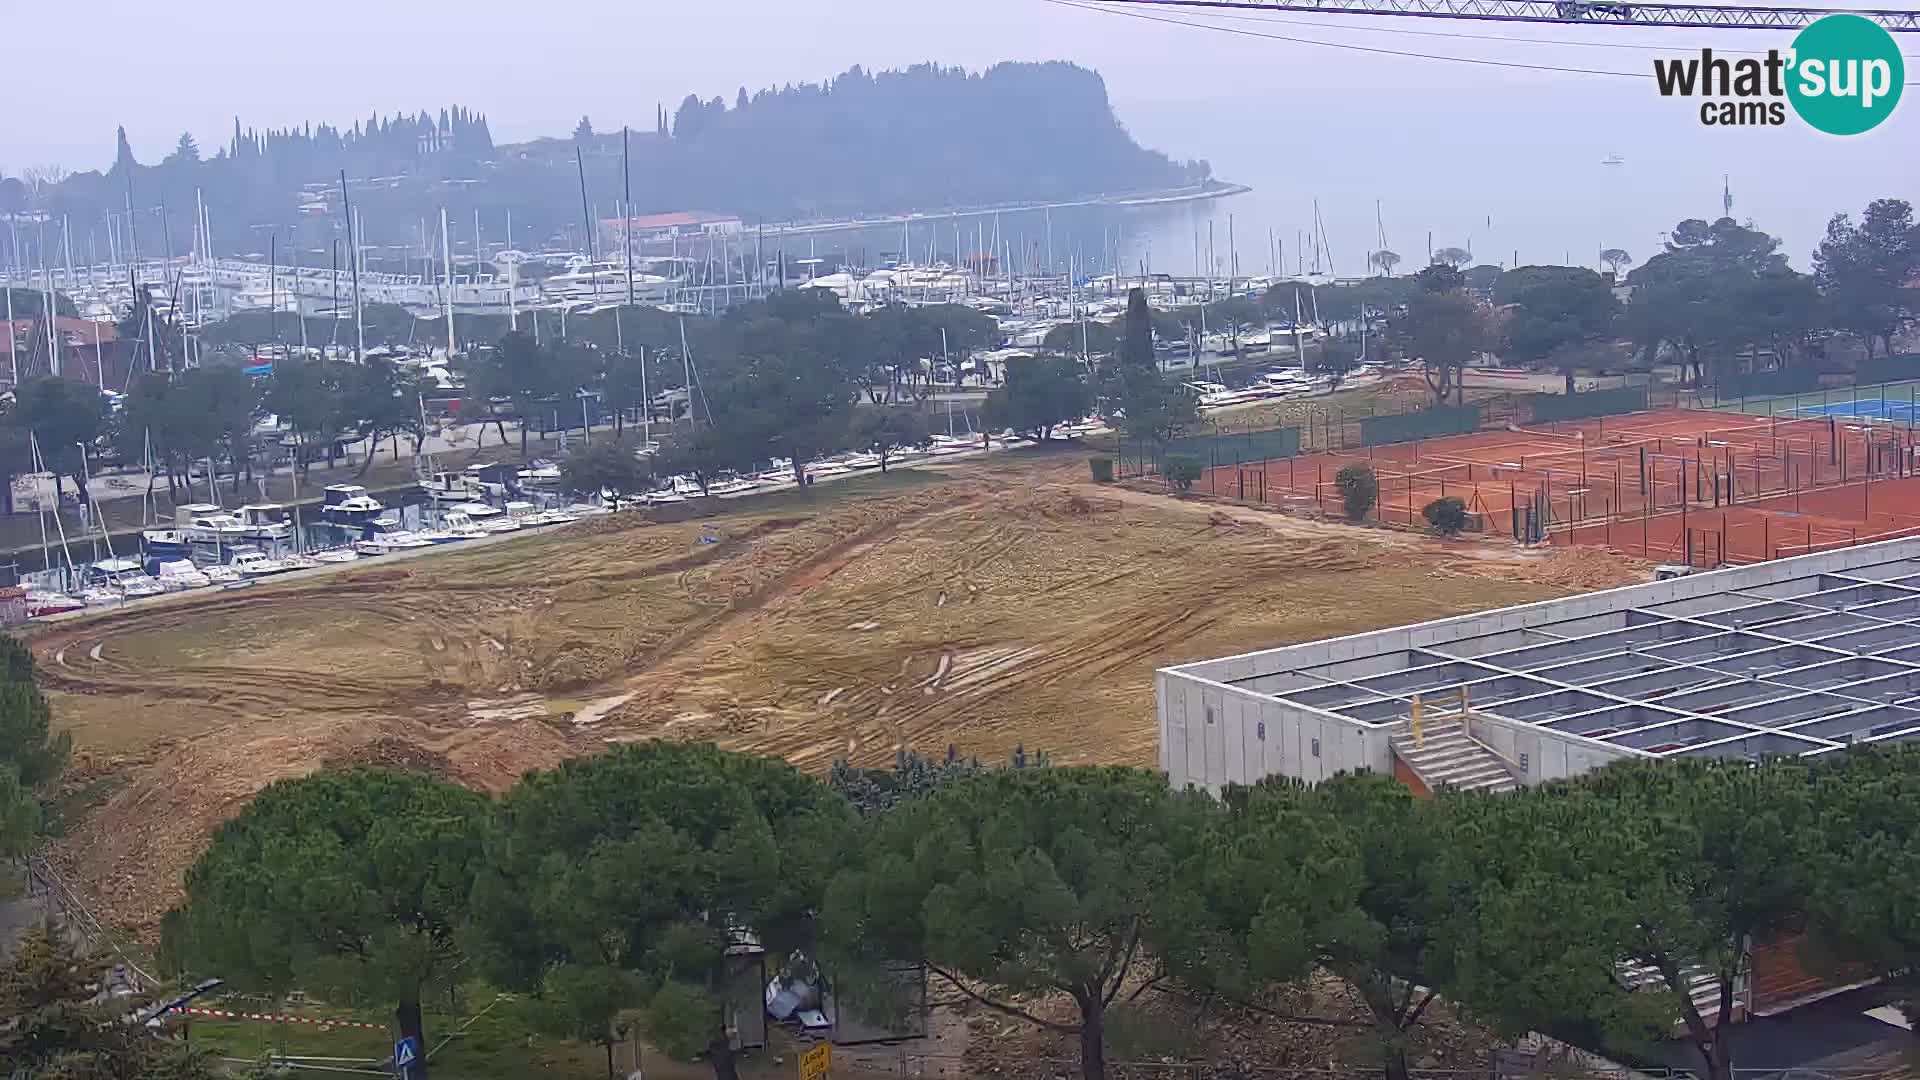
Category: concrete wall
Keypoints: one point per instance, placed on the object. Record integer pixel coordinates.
(1211, 712)
(1543, 755)
(1213, 735)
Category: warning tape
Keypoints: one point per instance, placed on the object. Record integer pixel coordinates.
(279, 1019)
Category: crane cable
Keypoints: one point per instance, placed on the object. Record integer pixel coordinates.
(1491, 38)
(1094, 5)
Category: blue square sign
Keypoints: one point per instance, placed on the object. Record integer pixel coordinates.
(406, 1051)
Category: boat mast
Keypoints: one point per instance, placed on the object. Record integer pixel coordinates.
(586, 220)
(446, 256)
(513, 279)
(353, 253)
(626, 219)
(299, 309)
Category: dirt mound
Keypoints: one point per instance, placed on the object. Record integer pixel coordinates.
(388, 752)
(1053, 504)
(130, 856)
(496, 761)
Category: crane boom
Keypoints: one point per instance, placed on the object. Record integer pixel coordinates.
(1577, 12)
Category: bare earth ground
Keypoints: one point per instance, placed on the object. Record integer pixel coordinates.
(992, 606)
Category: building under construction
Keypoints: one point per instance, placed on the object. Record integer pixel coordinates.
(1805, 655)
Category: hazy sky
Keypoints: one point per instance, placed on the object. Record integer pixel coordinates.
(1444, 146)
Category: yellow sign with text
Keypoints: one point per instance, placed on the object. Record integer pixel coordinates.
(816, 1063)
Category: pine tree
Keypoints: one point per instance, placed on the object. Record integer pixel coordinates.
(186, 151)
(123, 155)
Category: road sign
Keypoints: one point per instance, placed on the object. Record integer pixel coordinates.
(406, 1051)
(815, 1063)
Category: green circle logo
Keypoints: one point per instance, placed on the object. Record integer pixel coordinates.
(1845, 75)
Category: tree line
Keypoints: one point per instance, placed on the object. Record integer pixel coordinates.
(609, 889)
(925, 138)
(1718, 300)
(778, 378)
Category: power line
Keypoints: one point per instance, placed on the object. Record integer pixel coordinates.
(1270, 20)
(1239, 31)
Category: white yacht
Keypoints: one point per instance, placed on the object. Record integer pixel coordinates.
(43, 602)
(732, 485)
(461, 527)
(125, 576)
(254, 564)
(349, 504)
(265, 521)
(449, 485)
(205, 523)
(181, 574)
(541, 476)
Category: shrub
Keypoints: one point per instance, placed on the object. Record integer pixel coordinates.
(1358, 490)
(1182, 471)
(1447, 516)
(1102, 469)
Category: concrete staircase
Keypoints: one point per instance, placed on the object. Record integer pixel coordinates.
(1446, 757)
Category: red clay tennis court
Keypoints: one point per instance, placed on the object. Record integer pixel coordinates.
(1677, 485)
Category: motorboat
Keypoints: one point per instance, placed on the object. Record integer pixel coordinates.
(943, 445)
(461, 526)
(221, 575)
(585, 510)
(386, 534)
(265, 521)
(523, 513)
(829, 467)
(349, 504)
(688, 488)
(490, 519)
(165, 544)
(254, 564)
(664, 497)
(732, 485)
(861, 460)
(480, 512)
(100, 596)
(205, 523)
(180, 574)
(449, 485)
(336, 555)
(41, 603)
(540, 476)
(299, 561)
(125, 576)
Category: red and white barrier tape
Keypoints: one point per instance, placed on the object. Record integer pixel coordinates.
(276, 1018)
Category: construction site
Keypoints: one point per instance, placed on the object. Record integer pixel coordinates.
(985, 606)
(1682, 486)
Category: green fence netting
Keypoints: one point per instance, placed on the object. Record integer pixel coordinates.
(1426, 424)
(1767, 383)
(1546, 408)
(1143, 457)
(1886, 369)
